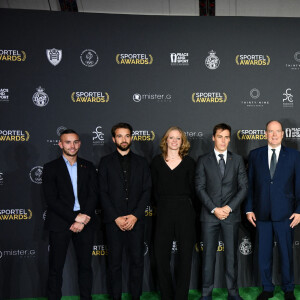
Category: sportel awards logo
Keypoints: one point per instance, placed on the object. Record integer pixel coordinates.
(143, 136)
(90, 97)
(21, 253)
(295, 65)
(12, 55)
(35, 174)
(292, 133)
(160, 98)
(14, 136)
(209, 97)
(179, 59)
(252, 60)
(134, 59)
(54, 56)
(100, 250)
(288, 101)
(246, 246)
(40, 98)
(212, 61)
(15, 214)
(89, 58)
(255, 100)
(251, 134)
(150, 211)
(55, 140)
(98, 136)
(4, 95)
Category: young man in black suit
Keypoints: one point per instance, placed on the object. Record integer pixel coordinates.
(70, 190)
(125, 187)
(221, 185)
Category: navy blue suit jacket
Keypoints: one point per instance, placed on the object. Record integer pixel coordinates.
(278, 198)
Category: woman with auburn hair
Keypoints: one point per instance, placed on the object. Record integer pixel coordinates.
(173, 191)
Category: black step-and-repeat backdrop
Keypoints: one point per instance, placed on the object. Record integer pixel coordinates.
(90, 71)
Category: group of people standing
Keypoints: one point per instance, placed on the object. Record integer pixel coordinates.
(125, 186)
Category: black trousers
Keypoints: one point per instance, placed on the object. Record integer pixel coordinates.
(133, 242)
(83, 244)
(210, 234)
(175, 221)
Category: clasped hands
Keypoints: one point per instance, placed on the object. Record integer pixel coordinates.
(80, 221)
(222, 212)
(126, 223)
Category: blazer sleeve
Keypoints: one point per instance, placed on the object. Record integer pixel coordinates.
(238, 198)
(106, 203)
(52, 195)
(200, 185)
(297, 183)
(139, 211)
(249, 201)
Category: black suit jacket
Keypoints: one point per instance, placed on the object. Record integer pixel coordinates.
(59, 195)
(112, 193)
(215, 191)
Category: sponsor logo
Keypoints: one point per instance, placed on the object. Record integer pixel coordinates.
(4, 95)
(179, 59)
(251, 134)
(295, 65)
(89, 58)
(160, 98)
(55, 140)
(221, 246)
(288, 101)
(14, 136)
(100, 250)
(194, 135)
(134, 59)
(255, 100)
(146, 249)
(252, 60)
(143, 136)
(44, 215)
(12, 55)
(40, 98)
(90, 97)
(174, 247)
(35, 174)
(212, 61)
(209, 97)
(1, 178)
(15, 214)
(98, 138)
(246, 246)
(292, 133)
(21, 253)
(54, 56)
(296, 244)
(150, 211)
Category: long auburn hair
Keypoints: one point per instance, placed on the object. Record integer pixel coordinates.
(185, 145)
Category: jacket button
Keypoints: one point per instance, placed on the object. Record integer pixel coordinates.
(271, 182)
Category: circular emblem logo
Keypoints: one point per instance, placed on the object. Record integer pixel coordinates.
(89, 58)
(0, 254)
(246, 247)
(35, 174)
(212, 61)
(44, 215)
(60, 129)
(137, 97)
(297, 56)
(254, 93)
(40, 98)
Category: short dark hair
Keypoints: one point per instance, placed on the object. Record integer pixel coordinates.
(221, 126)
(120, 125)
(273, 121)
(67, 131)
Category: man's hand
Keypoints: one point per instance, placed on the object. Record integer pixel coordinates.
(227, 209)
(130, 222)
(82, 218)
(296, 220)
(120, 221)
(251, 218)
(221, 213)
(77, 227)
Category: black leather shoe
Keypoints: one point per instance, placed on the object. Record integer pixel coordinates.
(289, 295)
(265, 295)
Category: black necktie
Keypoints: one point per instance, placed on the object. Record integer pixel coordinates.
(273, 163)
(222, 164)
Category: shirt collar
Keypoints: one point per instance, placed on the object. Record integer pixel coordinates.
(277, 149)
(68, 163)
(217, 154)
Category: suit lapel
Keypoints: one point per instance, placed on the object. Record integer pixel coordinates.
(133, 165)
(117, 165)
(281, 161)
(214, 164)
(80, 169)
(66, 175)
(229, 163)
(265, 162)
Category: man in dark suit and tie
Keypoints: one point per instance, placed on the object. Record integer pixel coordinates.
(221, 185)
(125, 187)
(273, 206)
(70, 190)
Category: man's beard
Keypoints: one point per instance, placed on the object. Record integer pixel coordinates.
(70, 154)
(123, 148)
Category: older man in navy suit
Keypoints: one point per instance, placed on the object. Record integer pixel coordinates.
(273, 206)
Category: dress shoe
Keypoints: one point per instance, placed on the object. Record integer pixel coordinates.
(237, 297)
(265, 295)
(289, 295)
